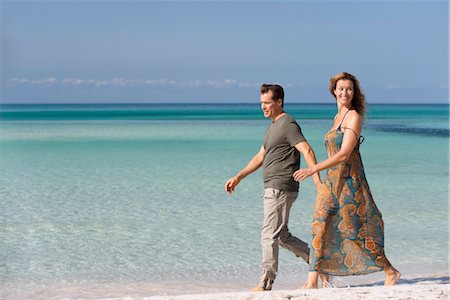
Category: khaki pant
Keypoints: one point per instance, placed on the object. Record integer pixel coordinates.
(277, 205)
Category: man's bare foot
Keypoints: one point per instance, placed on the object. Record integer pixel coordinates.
(392, 276)
(259, 289)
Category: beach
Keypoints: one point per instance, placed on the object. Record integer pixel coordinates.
(418, 286)
(121, 123)
(411, 292)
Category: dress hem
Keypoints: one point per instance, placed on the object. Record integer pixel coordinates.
(348, 274)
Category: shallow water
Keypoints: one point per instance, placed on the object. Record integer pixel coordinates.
(91, 199)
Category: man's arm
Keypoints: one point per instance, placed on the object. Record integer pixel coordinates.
(352, 132)
(251, 167)
(305, 149)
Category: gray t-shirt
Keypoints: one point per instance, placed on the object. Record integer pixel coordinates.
(281, 158)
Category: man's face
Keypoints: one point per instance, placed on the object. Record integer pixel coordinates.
(270, 108)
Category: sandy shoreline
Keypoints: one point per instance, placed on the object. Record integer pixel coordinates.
(426, 287)
(416, 291)
(417, 286)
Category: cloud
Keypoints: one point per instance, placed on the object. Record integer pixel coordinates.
(219, 84)
(47, 81)
(89, 82)
(17, 81)
(210, 83)
(128, 83)
(160, 82)
(22, 81)
(80, 82)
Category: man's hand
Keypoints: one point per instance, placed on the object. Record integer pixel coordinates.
(251, 167)
(305, 149)
(231, 184)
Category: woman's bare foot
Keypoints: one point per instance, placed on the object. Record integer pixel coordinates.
(392, 276)
(309, 285)
(325, 280)
(311, 282)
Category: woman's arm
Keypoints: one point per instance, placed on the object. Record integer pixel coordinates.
(352, 131)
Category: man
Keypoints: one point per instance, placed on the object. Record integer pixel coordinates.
(279, 155)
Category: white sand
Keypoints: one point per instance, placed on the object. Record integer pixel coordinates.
(425, 286)
(407, 291)
(430, 286)
(436, 286)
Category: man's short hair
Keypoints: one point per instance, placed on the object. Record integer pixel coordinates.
(277, 91)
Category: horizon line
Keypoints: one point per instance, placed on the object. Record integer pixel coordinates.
(208, 103)
(203, 103)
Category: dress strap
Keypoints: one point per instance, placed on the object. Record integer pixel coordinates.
(361, 139)
(339, 127)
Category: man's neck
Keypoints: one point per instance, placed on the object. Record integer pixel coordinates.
(274, 119)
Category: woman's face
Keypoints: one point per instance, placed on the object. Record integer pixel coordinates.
(344, 92)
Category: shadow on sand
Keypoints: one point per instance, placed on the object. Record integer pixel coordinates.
(419, 280)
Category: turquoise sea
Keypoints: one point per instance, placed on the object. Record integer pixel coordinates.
(111, 199)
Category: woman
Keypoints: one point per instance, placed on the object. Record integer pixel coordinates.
(348, 237)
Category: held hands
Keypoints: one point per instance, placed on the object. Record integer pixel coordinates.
(302, 174)
(231, 184)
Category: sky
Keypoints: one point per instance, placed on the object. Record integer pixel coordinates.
(221, 51)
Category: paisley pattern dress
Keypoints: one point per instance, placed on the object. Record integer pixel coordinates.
(348, 230)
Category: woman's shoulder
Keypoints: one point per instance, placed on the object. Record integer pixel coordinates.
(354, 115)
(354, 119)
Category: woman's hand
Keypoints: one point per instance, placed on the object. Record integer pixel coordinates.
(302, 174)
